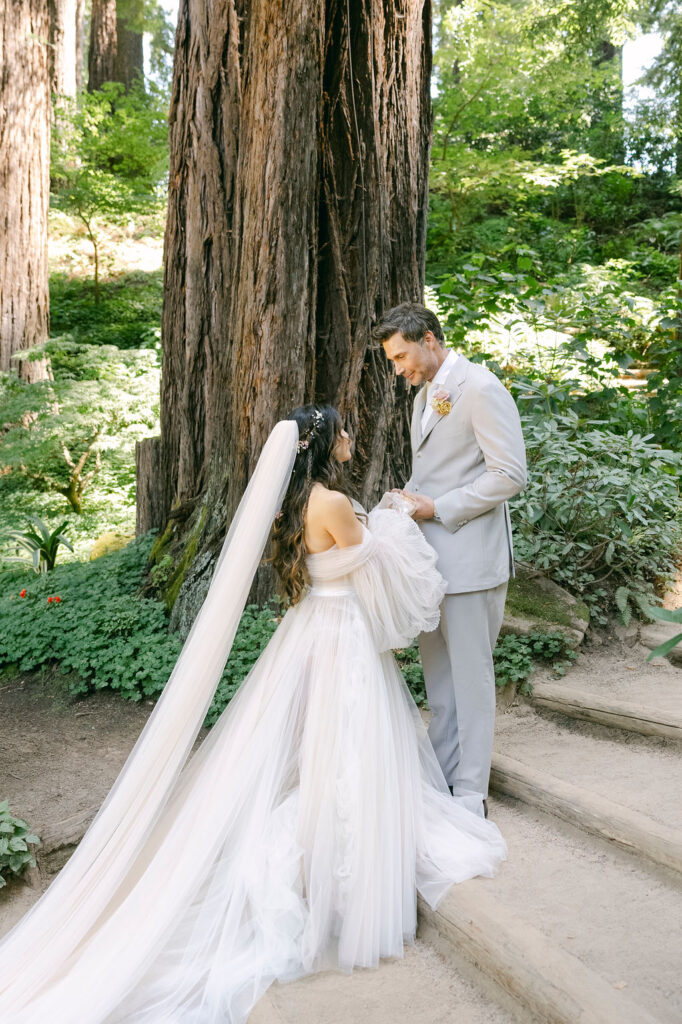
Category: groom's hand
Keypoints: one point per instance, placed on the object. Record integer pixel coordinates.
(425, 506)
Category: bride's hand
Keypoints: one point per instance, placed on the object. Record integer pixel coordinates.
(423, 507)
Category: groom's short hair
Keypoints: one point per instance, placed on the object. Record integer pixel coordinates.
(412, 320)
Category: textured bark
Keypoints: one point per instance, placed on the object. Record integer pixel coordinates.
(147, 468)
(24, 181)
(80, 43)
(115, 45)
(129, 64)
(64, 44)
(103, 44)
(296, 215)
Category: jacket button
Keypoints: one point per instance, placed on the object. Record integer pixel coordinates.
(419, 455)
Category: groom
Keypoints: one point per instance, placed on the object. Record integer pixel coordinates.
(468, 459)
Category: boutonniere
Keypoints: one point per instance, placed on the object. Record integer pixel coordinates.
(440, 401)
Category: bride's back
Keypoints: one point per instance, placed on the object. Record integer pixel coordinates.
(329, 520)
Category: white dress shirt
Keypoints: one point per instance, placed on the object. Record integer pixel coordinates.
(438, 380)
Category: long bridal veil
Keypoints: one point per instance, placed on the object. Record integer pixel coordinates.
(34, 953)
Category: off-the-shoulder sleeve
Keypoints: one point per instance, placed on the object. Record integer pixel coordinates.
(397, 583)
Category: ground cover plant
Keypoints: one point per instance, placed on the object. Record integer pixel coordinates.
(16, 840)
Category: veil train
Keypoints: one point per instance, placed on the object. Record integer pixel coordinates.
(36, 953)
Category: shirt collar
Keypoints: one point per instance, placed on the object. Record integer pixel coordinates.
(443, 370)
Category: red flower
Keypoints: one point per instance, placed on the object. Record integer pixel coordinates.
(49, 600)
(57, 598)
(22, 593)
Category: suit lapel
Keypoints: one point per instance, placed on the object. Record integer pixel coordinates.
(453, 382)
(417, 410)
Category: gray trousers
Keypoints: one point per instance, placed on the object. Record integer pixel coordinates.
(460, 684)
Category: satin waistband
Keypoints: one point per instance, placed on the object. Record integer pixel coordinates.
(321, 590)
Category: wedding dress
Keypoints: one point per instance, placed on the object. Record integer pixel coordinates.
(294, 840)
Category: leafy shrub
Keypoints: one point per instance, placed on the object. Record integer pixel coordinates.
(104, 634)
(410, 665)
(41, 543)
(128, 314)
(100, 630)
(16, 839)
(62, 435)
(600, 511)
(514, 656)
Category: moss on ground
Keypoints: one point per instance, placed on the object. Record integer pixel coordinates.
(525, 599)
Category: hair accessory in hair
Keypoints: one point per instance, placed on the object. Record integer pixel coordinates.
(304, 443)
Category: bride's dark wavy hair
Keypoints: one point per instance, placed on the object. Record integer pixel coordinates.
(319, 429)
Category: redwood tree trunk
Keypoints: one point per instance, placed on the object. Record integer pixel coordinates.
(115, 43)
(129, 65)
(103, 44)
(24, 181)
(297, 208)
(65, 18)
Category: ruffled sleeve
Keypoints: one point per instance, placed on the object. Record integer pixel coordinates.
(397, 583)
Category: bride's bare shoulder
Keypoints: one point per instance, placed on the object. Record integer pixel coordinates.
(324, 503)
(330, 514)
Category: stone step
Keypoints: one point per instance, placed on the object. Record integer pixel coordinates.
(573, 929)
(618, 714)
(654, 634)
(422, 988)
(638, 773)
(596, 814)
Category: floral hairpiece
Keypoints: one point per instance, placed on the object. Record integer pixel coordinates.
(304, 443)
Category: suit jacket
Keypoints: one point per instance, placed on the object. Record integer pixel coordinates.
(470, 462)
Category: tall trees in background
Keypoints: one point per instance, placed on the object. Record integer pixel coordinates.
(297, 214)
(24, 181)
(115, 53)
(66, 46)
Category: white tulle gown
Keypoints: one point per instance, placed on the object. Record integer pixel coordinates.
(298, 836)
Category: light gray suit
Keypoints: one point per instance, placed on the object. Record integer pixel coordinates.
(470, 462)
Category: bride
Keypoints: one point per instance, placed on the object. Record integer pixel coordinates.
(298, 835)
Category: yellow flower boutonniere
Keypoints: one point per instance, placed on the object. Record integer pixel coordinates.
(440, 401)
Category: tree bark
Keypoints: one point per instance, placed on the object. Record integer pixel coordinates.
(103, 44)
(297, 215)
(63, 50)
(147, 469)
(24, 182)
(115, 43)
(80, 43)
(129, 65)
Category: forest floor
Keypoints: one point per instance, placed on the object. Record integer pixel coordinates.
(60, 755)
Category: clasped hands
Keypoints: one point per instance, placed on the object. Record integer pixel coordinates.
(424, 506)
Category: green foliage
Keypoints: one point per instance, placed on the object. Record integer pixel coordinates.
(128, 314)
(103, 634)
(553, 257)
(40, 542)
(665, 615)
(58, 435)
(101, 630)
(599, 512)
(514, 656)
(16, 840)
(109, 157)
(410, 665)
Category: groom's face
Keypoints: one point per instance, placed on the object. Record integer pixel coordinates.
(415, 362)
